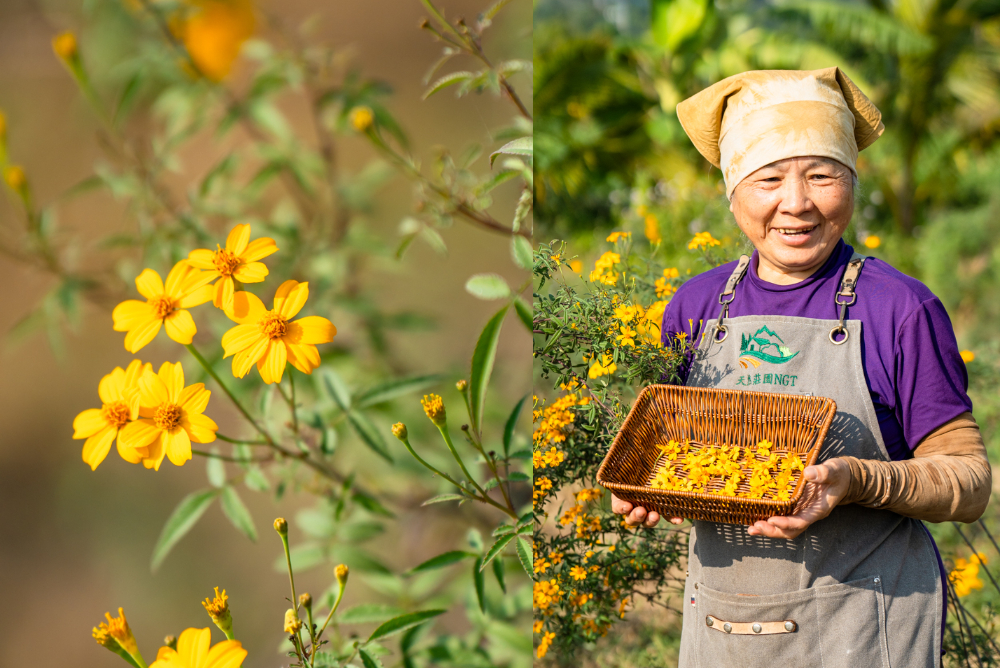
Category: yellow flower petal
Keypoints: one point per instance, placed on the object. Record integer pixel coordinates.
(180, 327)
(202, 258)
(223, 292)
(258, 249)
(305, 358)
(194, 398)
(112, 387)
(255, 272)
(96, 448)
(290, 298)
(152, 391)
(180, 274)
(131, 455)
(88, 423)
(227, 654)
(312, 329)
(178, 446)
(237, 240)
(200, 428)
(138, 435)
(172, 376)
(196, 297)
(137, 338)
(193, 644)
(149, 284)
(240, 338)
(245, 359)
(131, 314)
(272, 365)
(246, 308)
(155, 452)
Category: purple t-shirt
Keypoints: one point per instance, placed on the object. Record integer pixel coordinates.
(913, 369)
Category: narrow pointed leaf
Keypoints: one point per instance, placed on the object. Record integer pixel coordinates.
(185, 516)
(482, 365)
(369, 660)
(395, 388)
(487, 286)
(524, 314)
(498, 573)
(337, 389)
(480, 581)
(441, 498)
(525, 555)
(448, 80)
(369, 434)
(397, 624)
(497, 548)
(236, 511)
(521, 146)
(508, 428)
(442, 560)
(520, 251)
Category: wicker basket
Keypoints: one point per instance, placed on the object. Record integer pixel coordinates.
(793, 423)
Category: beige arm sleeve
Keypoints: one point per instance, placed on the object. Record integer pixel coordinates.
(949, 477)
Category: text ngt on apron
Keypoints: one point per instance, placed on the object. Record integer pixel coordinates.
(860, 588)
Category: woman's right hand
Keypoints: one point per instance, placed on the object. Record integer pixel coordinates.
(634, 516)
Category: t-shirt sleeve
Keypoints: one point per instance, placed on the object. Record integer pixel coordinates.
(931, 380)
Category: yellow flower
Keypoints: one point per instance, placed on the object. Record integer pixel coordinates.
(292, 621)
(434, 408)
(119, 392)
(65, 46)
(218, 609)
(578, 573)
(671, 272)
(170, 417)
(536, 626)
(872, 241)
(557, 258)
(967, 356)
(627, 336)
(703, 240)
(117, 628)
(194, 651)
(362, 118)
(965, 576)
(543, 646)
(341, 572)
(625, 312)
(15, 178)
(238, 260)
(164, 306)
(652, 229)
(607, 260)
(604, 367)
(215, 32)
(615, 236)
(269, 339)
(576, 266)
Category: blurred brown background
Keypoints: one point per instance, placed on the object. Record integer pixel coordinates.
(76, 543)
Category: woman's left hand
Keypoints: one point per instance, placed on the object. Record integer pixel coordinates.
(826, 485)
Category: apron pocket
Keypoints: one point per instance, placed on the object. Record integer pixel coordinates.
(835, 626)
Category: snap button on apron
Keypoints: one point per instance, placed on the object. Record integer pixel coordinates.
(877, 580)
(709, 621)
(727, 627)
(789, 626)
(756, 628)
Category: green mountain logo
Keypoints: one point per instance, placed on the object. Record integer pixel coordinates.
(764, 345)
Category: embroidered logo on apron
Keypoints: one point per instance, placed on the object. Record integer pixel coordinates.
(765, 345)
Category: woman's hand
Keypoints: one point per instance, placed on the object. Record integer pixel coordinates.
(638, 515)
(826, 485)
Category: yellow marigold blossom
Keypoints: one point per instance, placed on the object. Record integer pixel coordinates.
(541, 565)
(341, 571)
(576, 266)
(433, 407)
(546, 642)
(218, 609)
(703, 240)
(536, 626)
(541, 488)
(556, 558)
(238, 261)
(545, 593)
(362, 118)
(119, 392)
(603, 277)
(872, 241)
(269, 339)
(607, 260)
(615, 236)
(165, 306)
(214, 33)
(602, 367)
(399, 431)
(170, 417)
(967, 356)
(663, 289)
(587, 524)
(649, 326)
(621, 608)
(118, 629)
(585, 495)
(569, 516)
(626, 337)
(652, 229)
(965, 576)
(195, 650)
(578, 573)
(625, 312)
(65, 46)
(292, 621)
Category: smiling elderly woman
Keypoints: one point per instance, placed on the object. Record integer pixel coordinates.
(853, 579)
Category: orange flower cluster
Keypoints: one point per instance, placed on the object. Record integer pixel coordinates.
(721, 469)
(554, 422)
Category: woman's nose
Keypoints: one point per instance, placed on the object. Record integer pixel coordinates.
(795, 199)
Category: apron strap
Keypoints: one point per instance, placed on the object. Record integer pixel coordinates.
(738, 273)
(846, 296)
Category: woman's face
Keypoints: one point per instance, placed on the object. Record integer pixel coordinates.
(794, 212)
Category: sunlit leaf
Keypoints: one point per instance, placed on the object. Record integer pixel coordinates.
(185, 516)
(402, 622)
(234, 508)
(520, 146)
(487, 286)
(482, 366)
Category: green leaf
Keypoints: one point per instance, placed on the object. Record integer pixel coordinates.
(236, 511)
(482, 366)
(527, 558)
(448, 80)
(441, 498)
(371, 504)
(442, 560)
(480, 582)
(367, 613)
(337, 389)
(520, 250)
(256, 480)
(498, 573)
(369, 434)
(524, 314)
(216, 470)
(397, 624)
(497, 548)
(520, 146)
(511, 425)
(394, 388)
(517, 476)
(673, 21)
(487, 286)
(185, 516)
(369, 660)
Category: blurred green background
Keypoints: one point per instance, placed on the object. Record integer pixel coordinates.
(77, 543)
(611, 155)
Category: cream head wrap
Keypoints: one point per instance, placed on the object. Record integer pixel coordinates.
(753, 119)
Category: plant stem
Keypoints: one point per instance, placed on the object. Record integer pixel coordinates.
(238, 441)
(333, 609)
(458, 458)
(236, 460)
(292, 405)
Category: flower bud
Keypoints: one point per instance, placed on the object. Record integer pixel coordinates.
(306, 601)
(218, 610)
(65, 45)
(281, 526)
(461, 385)
(117, 636)
(434, 408)
(342, 571)
(362, 118)
(171, 642)
(292, 621)
(399, 431)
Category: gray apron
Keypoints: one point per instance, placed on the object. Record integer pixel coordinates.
(860, 588)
